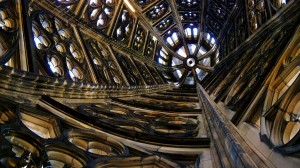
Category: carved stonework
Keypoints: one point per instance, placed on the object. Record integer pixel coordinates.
(139, 39)
(99, 13)
(165, 24)
(124, 26)
(158, 11)
(8, 31)
(58, 50)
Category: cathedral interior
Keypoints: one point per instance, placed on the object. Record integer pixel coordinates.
(149, 83)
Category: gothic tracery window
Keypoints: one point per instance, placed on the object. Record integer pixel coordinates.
(163, 56)
(150, 46)
(139, 39)
(158, 11)
(130, 71)
(100, 13)
(191, 32)
(144, 3)
(41, 41)
(165, 24)
(7, 22)
(144, 72)
(189, 16)
(57, 46)
(74, 71)
(106, 68)
(55, 65)
(124, 26)
(280, 118)
(188, 3)
(172, 38)
(210, 39)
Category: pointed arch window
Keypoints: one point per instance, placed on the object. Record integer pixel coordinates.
(210, 39)
(191, 32)
(74, 72)
(41, 40)
(162, 56)
(172, 39)
(55, 64)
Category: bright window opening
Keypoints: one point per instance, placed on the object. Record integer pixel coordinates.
(170, 41)
(161, 61)
(182, 52)
(175, 37)
(208, 36)
(195, 32)
(213, 41)
(192, 48)
(188, 32)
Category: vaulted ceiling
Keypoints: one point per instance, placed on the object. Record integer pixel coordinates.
(185, 38)
(174, 33)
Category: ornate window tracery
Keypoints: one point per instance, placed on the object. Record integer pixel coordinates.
(144, 3)
(130, 71)
(124, 26)
(165, 24)
(24, 146)
(144, 72)
(76, 53)
(280, 120)
(191, 32)
(41, 40)
(74, 72)
(80, 147)
(163, 56)
(172, 38)
(57, 48)
(9, 31)
(7, 22)
(210, 39)
(190, 16)
(99, 13)
(139, 39)
(61, 50)
(150, 46)
(158, 11)
(55, 65)
(106, 69)
(283, 128)
(188, 3)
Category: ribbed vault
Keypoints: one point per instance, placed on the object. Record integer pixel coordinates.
(182, 34)
(183, 40)
(90, 83)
